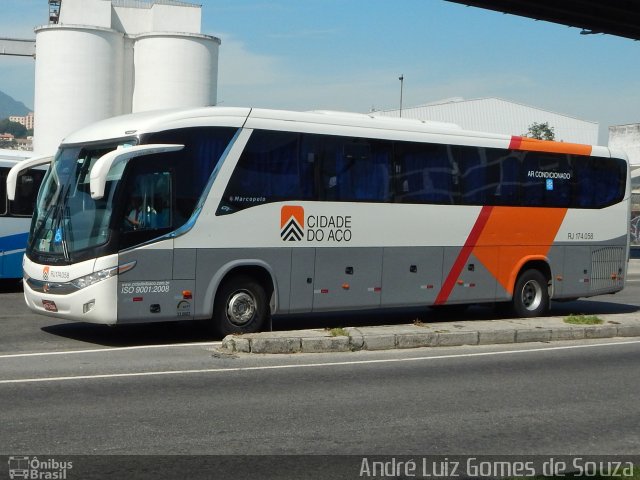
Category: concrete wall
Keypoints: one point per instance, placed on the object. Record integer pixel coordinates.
(627, 139)
(96, 13)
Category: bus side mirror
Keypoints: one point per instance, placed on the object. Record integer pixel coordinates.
(99, 171)
(12, 177)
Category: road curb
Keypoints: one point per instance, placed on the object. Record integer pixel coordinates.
(432, 335)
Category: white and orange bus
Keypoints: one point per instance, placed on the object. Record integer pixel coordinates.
(234, 214)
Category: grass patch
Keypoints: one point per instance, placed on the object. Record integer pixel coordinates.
(583, 320)
(338, 332)
(419, 323)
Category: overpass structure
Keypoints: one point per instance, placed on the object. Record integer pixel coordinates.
(17, 47)
(27, 48)
(613, 17)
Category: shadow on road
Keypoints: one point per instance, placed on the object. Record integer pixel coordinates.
(195, 331)
(133, 335)
(591, 307)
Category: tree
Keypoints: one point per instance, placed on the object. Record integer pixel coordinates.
(14, 128)
(541, 131)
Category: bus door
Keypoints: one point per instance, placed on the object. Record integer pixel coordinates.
(150, 291)
(302, 275)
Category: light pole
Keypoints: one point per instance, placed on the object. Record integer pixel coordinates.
(401, 78)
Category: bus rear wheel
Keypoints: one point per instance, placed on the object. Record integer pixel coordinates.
(240, 307)
(531, 294)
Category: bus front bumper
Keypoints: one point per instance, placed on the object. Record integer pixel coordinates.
(96, 303)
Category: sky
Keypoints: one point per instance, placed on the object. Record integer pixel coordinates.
(348, 55)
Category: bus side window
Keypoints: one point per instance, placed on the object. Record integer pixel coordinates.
(370, 172)
(272, 168)
(3, 190)
(598, 183)
(507, 191)
(26, 193)
(426, 174)
(532, 186)
(610, 185)
(479, 176)
(149, 204)
(162, 201)
(328, 167)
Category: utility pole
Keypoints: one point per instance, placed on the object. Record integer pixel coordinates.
(401, 78)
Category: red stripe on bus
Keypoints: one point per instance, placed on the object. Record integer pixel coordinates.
(458, 265)
(515, 143)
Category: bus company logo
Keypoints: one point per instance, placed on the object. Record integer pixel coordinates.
(54, 275)
(292, 223)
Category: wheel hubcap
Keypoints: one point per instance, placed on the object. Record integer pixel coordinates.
(241, 308)
(531, 295)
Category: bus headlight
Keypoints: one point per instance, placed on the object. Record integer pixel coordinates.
(96, 277)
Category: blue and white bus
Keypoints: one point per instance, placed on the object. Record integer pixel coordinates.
(15, 217)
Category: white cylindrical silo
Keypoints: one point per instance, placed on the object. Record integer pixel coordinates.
(174, 70)
(79, 80)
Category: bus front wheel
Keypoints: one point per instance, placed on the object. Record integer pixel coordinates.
(531, 294)
(241, 306)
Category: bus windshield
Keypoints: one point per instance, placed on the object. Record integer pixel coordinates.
(66, 219)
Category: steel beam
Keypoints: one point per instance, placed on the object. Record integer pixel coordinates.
(17, 47)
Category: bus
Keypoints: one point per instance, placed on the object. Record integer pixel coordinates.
(15, 217)
(232, 215)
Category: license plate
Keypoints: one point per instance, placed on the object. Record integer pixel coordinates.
(49, 305)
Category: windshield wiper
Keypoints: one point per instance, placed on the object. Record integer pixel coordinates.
(60, 234)
(39, 227)
(54, 217)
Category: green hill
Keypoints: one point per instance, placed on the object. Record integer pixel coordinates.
(9, 106)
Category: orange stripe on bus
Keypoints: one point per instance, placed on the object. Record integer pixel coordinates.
(535, 145)
(513, 235)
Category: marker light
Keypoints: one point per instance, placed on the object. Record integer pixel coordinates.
(87, 307)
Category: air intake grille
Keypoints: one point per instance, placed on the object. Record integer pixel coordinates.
(607, 268)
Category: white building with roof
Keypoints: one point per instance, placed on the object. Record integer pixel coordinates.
(500, 116)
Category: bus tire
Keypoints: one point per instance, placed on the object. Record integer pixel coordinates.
(241, 306)
(531, 294)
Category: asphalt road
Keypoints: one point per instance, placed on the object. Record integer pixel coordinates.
(529, 399)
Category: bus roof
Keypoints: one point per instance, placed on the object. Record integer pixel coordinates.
(322, 121)
(144, 122)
